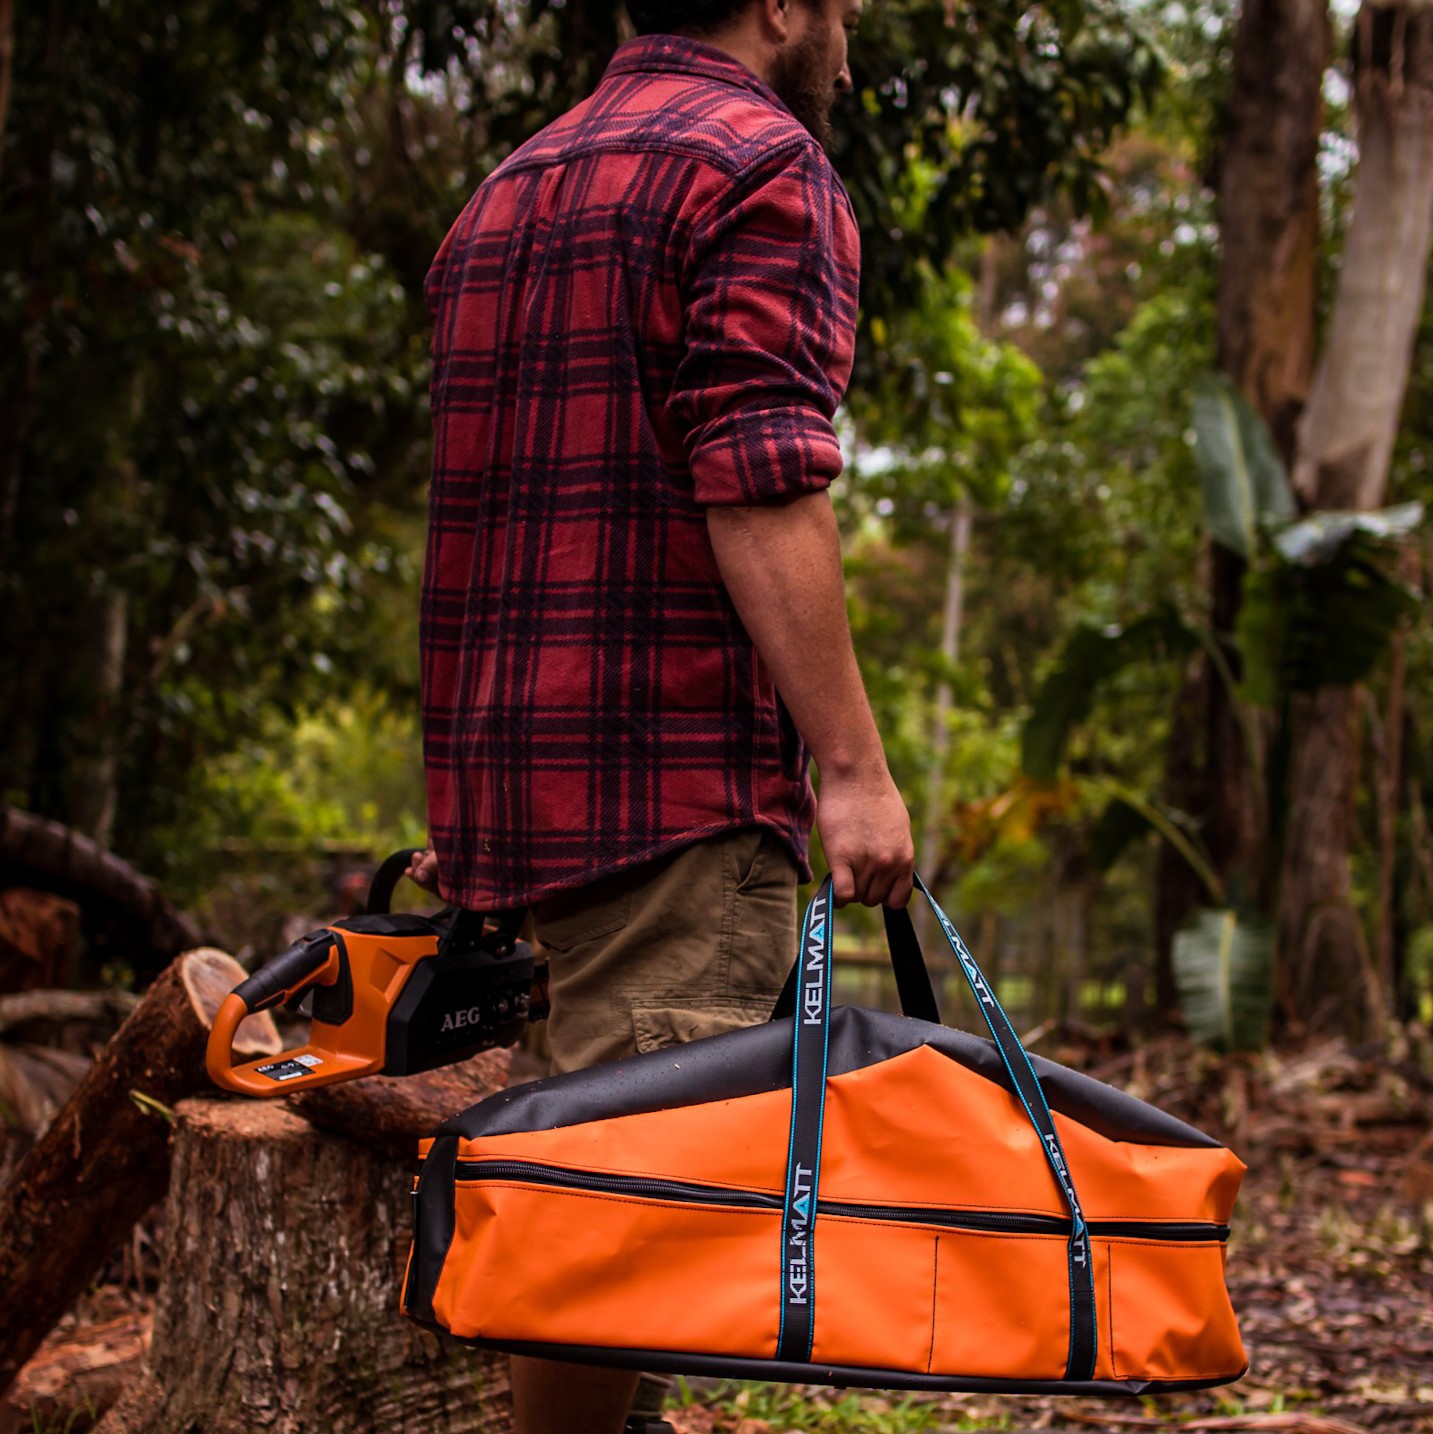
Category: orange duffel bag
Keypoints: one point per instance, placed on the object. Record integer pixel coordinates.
(838, 1196)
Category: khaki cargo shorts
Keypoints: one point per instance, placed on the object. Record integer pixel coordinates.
(691, 944)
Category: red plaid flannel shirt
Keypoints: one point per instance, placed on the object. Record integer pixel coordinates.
(647, 308)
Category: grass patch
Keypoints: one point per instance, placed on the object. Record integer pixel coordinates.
(806, 1411)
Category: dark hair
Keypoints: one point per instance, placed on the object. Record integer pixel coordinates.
(683, 17)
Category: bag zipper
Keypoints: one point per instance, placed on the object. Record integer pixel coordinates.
(692, 1193)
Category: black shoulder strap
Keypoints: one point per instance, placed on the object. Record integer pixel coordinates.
(913, 986)
(1026, 1084)
(811, 1033)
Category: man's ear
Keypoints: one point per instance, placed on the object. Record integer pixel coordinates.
(775, 16)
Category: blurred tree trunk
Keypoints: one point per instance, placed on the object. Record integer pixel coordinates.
(1345, 441)
(7, 65)
(96, 766)
(1267, 183)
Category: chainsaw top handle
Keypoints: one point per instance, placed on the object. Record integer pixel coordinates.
(387, 877)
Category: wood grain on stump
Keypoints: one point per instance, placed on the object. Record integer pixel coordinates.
(391, 1114)
(278, 1305)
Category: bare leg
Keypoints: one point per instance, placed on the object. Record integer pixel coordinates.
(550, 1397)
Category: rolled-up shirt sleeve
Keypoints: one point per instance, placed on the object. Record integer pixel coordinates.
(771, 282)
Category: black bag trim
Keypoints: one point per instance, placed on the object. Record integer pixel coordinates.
(808, 1111)
(693, 1192)
(758, 1058)
(434, 1223)
(842, 1376)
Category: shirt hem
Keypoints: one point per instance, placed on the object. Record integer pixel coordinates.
(479, 898)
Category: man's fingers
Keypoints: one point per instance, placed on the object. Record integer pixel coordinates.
(901, 892)
(843, 882)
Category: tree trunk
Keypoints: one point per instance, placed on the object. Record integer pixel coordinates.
(104, 1160)
(1321, 943)
(1268, 208)
(1345, 442)
(7, 63)
(1346, 437)
(37, 852)
(278, 1309)
(1267, 182)
(1388, 784)
(96, 772)
(961, 519)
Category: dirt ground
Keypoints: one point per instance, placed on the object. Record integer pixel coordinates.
(1330, 1264)
(1330, 1261)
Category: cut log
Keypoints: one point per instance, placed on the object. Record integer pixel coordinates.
(39, 938)
(64, 1007)
(35, 1083)
(40, 852)
(76, 1375)
(390, 1114)
(284, 1249)
(104, 1160)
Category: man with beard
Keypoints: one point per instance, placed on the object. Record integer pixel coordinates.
(633, 629)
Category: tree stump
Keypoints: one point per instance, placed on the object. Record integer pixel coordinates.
(278, 1304)
(104, 1159)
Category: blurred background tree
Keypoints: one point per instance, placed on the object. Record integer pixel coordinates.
(214, 226)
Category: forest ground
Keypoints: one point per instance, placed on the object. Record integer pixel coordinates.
(1330, 1261)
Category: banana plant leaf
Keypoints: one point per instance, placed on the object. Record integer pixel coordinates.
(1224, 972)
(1091, 658)
(1317, 538)
(1244, 484)
(1320, 621)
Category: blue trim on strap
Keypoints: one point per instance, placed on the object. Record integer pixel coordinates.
(1081, 1361)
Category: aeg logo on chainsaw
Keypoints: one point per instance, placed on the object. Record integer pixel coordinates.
(456, 1020)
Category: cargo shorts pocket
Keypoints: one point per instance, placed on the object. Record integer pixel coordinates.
(570, 918)
(658, 1024)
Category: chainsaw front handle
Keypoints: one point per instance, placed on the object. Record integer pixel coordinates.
(315, 960)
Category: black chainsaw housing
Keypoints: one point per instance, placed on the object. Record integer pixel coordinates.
(457, 1004)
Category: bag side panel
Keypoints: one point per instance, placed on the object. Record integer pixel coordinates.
(1002, 1306)
(875, 1294)
(739, 1143)
(922, 1129)
(1169, 1315)
(571, 1267)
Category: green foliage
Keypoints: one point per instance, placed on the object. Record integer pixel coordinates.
(1223, 966)
(963, 120)
(1243, 481)
(1323, 620)
(347, 772)
(1090, 659)
(818, 1412)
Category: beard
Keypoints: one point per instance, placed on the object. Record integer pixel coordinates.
(799, 80)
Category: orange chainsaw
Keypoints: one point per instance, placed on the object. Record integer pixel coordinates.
(393, 993)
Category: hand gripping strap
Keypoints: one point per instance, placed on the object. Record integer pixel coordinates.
(811, 1029)
(1081, 1362)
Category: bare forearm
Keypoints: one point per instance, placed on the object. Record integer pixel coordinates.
(782, 566)
(781, 563)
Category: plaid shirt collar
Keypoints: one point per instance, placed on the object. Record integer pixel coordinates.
(666, 53)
